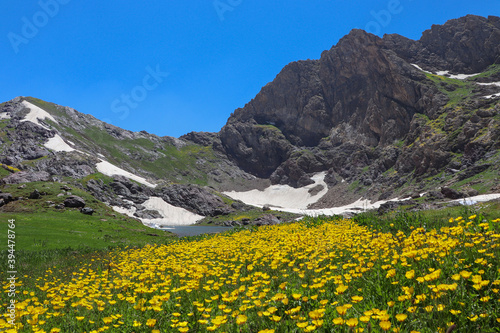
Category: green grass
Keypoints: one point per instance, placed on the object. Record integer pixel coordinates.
(482, 182)
(462, 89)
(405, 220)
(491, 70)
(39, 225)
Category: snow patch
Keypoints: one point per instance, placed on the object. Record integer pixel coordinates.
(492, 96)
(109, 169)
(172, 215)
(37, 114)
(283, 196)
(5, 115)
(127, 211)
(478, 198)
(420, 68)
(455, 76)
(356, 207)
(57, 143)
(489, 84)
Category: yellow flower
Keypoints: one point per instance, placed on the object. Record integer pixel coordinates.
(385, 325)
(341, 310)
(401, 317)
(302, 324)
(338, 321)
(241, 319)
(151, 322)
(410, 274)
(352, 322)
(476, 317)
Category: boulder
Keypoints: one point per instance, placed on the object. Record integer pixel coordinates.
(148, 214)
(87, 211)
(74, 201)
(6, 197)
(35, 195)
(451, 193)
(194, 199)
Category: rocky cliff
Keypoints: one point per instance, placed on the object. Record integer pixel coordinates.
(378, 112)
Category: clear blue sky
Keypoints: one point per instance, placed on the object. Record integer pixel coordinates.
(171, 67)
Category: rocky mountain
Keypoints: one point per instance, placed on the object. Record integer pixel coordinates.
(379, 112)
(380, 117)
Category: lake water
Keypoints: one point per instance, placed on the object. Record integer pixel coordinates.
(194, 230)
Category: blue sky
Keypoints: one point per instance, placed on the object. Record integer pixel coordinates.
(171, 67)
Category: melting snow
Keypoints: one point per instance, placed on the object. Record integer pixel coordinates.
(57, 143)
(110, 170)
(456, 76)
(283, 196)
(355, 207)
(447, 73)
(171, 215)
(36, 114)
(492, 96)
(490, 84)
(478, 198)
(420, 68)
(4, 115)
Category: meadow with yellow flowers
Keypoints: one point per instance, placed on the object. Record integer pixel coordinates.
(317, 275)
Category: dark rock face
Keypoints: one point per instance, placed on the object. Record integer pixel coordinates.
(356, 93)
(465, 45)
(200, 138)
(194, 199)
(74, 201)
(364, 108)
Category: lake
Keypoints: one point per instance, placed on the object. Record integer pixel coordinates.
(194, 230)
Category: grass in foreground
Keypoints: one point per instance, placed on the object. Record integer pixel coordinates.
(316, 275)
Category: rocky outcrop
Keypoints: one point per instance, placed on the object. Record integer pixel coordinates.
(74, 201)
(465, 45)
(194, 199)
(357, 93)
(26, 177)
(363, 108)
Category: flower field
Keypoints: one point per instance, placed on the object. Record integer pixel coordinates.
(313, 276)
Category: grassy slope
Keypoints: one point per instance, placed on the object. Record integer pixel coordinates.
(177, 164)
(39, 226)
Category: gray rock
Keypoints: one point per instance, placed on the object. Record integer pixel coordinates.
(87, 211)
(27, 177)
(194, 199)
(148, 214)
(6, 197)
(74, 202)
(451, 193)
(35, 195)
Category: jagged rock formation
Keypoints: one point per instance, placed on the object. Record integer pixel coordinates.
(368, 106)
